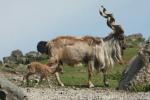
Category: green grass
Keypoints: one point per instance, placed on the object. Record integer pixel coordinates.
(139, 87)
(129, 53)
(44, 61)
(75, 77)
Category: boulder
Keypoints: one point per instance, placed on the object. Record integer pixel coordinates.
(137, 73)
(35, 56)
(23, 60)
(32, 56)
(17, 57)
(17, 53)
(9, 59)
(5, 59)
(13, 58)
(9, 91)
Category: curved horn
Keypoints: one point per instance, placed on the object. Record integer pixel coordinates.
(111, 21)
(109, 16)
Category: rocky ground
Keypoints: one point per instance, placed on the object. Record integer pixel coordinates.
(74, 93)
(83, 94)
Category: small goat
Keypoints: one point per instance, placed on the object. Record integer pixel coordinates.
(42, 70)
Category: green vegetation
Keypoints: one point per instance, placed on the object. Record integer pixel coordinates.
(139, 88)
(134, 41)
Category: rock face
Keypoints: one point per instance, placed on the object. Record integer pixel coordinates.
(137, 72)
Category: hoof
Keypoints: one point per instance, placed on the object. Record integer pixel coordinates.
(62, 85)
(91, 85)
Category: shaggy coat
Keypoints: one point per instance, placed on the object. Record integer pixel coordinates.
(79, 52)
(95, 52)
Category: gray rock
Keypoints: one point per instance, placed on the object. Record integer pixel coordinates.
(14, 57)
(17, 57)
(9, 59)
(34, 56)
(5, 59)
(137, 72)
(24, 60)
(10, 91)
(17, 53)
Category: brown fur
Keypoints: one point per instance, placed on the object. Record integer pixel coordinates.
(92, 40)
(70, 40)
(62, 41)
(41, 69)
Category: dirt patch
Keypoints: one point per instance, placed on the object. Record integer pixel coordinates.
(83, 94)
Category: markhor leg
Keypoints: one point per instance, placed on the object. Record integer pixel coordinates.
(90, 72)
(58, 79)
